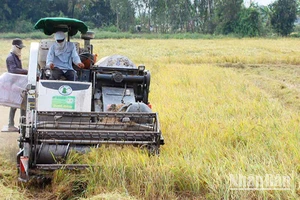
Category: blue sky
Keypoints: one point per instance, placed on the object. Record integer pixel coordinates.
(260, 2)
(264, 2)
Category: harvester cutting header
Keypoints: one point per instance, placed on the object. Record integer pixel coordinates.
(107, 104)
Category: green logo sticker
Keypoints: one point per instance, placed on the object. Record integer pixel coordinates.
(65, 90)
(65, 102)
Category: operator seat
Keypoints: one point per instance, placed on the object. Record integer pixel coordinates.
(44, 47)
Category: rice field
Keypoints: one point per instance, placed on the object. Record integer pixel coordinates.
(229, 114)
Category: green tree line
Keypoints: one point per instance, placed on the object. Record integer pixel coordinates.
(161, 16)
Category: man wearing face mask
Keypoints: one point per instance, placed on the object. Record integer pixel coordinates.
(14, 66)
(60, 57)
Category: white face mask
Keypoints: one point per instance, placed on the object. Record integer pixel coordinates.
(16, 50)
(61, 45)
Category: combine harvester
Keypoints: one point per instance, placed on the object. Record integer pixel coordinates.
(107, 105)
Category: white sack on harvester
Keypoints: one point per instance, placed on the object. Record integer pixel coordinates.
(115, 61)
(11, 88)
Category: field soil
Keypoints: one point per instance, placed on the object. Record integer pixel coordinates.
(8, 140)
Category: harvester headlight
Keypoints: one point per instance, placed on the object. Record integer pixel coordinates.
(141, 69)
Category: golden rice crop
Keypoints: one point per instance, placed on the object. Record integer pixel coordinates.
(216, 122)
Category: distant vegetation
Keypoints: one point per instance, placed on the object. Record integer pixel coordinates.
(99, 34)
(205, 17)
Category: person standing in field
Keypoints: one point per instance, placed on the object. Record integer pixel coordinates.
(14, 66)
(60, 57)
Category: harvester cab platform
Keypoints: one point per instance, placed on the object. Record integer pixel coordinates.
(107, 105)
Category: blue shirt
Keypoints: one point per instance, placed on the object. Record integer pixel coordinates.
(63, 60)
